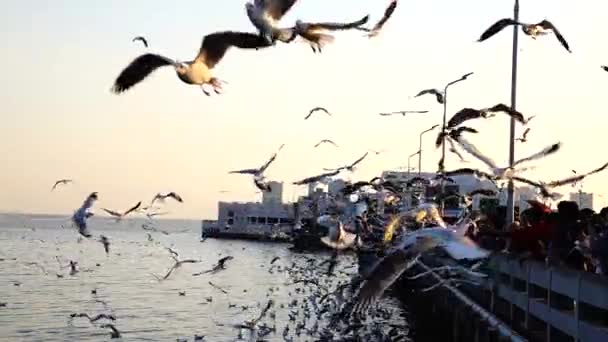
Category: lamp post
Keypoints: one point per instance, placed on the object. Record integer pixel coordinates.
(445, 112)
(408, 161)
(420, 148)
(510, 193)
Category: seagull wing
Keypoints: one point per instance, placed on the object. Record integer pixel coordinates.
(132, 209)
(388, 271)
(497, 27)
(338, 26)
(175, 196)
(546, 24)
(267, 164)
(543, 189)
(142, 39)
(526, 133)
(387, 14)
(246, 171)
(454, 150)
(276, 9)
(470, 148)
(605, 68)
(463, 115)
(576, 178)
(138, 70)
(538, 155)
(359, 160)
(501, 107)
(112, 212)
(437, 93)
(216, 44)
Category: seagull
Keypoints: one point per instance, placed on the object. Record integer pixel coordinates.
(532, 30)
(82, 214)
(196, 72)
(317, 109)
(118, 215)
(405, 112)
(470, 113)
(257, 172)
(316, 33)
(506, 172)
(106, 243)
(265, 15)
(605, 67)
(388, 270)
(524, 136)
(221, 265)
(93, 319)
(387, 14)
(337, 237)
(161, 198)
(62, 182)
(317, 178)
(142, 39)
(326, 141)
(350, 167)
(438, 94)
(176, 265)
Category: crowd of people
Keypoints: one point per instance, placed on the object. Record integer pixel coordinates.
(569, 236)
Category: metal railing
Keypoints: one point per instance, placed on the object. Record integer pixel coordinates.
(552, 301)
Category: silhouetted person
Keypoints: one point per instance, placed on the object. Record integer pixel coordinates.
(565, 232)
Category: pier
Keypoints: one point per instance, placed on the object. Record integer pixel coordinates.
(526, 301)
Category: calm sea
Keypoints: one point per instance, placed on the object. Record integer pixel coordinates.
(38, 302)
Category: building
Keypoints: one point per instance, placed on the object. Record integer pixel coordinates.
(583, 199)
(275, 195)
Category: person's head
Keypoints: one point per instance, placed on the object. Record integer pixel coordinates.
(531, 216)
(568, 210)
(604, 213)
(586, 214)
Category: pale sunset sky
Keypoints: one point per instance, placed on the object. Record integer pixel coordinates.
(59, 119)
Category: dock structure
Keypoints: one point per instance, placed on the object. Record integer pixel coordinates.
(518, 302)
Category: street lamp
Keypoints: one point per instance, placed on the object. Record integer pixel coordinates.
(408, 161)
(420, 148)
(445, 112)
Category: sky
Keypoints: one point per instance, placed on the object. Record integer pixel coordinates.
(60, 120)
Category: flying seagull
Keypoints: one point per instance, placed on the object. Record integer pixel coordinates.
(350, 167)
(388, 270)
(196, 72)
(470, 113)
(61, 182)
(317, 109)
(532, 30)
(142, 39)
(387, 14)
(176, 265)
(317, 178)
(161, 198)
(506, 172)
(605, 67)
(265, 15)
(337, 237)
(256, 172)
(405, 112)
(326, 141)
(524, 136)
(82, 214)
(118, 215)
(316, 34)
(454, 133)
(438, 94)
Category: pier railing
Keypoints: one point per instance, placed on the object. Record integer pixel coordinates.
(551, 303)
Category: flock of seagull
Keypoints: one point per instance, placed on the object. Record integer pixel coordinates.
(351, 214)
